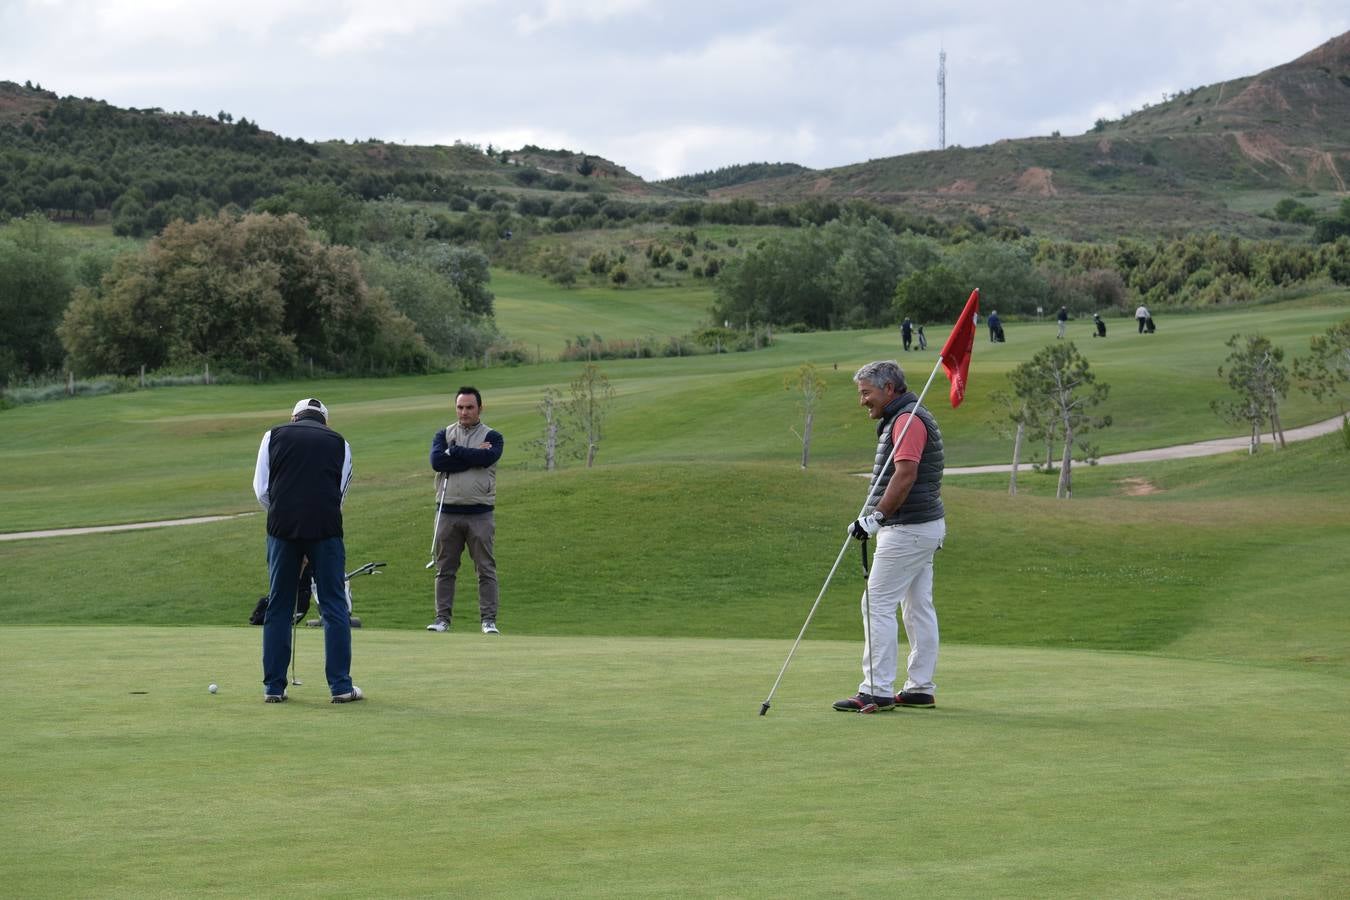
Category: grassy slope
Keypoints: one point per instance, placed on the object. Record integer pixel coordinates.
(163, 454)
(656, 540)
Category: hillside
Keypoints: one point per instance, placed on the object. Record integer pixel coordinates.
(1212, 158)
(1187, 163)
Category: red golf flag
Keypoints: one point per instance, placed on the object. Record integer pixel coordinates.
(956, 352)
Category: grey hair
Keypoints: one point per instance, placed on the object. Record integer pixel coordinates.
(882, 373)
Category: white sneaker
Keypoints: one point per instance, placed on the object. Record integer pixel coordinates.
(350, 697)
(490, 627)
(438, 625)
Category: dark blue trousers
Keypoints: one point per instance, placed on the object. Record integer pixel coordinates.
(329, 558)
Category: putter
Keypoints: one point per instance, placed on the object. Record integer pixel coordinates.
(295, 618)
(436, 524)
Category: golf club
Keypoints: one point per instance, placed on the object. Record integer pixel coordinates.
(436, 525)
(295, 619)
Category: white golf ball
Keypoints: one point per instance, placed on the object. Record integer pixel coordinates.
(212, 688)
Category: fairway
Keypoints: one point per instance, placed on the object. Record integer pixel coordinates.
(544, 317)
(1142, 690)
(537, 767)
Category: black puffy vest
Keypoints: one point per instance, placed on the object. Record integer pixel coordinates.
(924, 503)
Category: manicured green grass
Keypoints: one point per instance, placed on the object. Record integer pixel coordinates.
(620, 767)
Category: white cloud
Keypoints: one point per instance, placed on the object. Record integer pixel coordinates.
(366, 25)
(560, 12)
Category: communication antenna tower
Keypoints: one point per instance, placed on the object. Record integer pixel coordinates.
(942, 99)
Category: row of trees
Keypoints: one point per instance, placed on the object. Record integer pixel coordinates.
(257, 294)
(855, 272)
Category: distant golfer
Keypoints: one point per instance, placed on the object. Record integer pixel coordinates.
(301, 479)
(906, 332)
(464, 454)
(1141, 316)
(1063, 320)
(904, 512)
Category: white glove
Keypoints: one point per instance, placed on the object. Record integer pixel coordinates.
(864, 528)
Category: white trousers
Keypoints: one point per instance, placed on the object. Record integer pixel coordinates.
(901, 579)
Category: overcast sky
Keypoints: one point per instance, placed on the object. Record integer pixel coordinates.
(664, 88)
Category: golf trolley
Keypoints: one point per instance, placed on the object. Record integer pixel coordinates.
(303, 599)
(372, 568)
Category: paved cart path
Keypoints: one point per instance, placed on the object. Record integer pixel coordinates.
(1181, 451)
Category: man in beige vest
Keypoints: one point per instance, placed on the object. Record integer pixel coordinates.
(464, 455)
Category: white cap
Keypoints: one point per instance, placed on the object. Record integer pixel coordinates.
(310, 404)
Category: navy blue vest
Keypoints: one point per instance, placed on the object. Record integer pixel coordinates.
(304, 462)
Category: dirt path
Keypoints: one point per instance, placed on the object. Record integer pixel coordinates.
(1181, 451)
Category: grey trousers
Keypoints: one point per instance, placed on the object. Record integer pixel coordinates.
(457, 531)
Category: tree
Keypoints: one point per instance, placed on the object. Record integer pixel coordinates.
(257, 294)
(1325, 373)
(1256, 373)
(928, 295)
(432, 301)
(586, 167)
(810, 385)
(591, 396)
(1013, 417)
(1058, 387)
(36, 281)
(555, 435)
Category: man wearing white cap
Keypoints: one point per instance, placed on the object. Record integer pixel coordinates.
(301, 479)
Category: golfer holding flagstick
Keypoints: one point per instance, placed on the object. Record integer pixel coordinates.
(904, 511)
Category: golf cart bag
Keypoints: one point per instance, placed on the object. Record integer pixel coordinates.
(998, 334)
(1149, 327)
(1101, 329)
(302, 597)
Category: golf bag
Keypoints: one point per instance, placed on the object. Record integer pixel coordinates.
(1101, 329)
(305, 591)
(1149, 327)
(998, 334)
